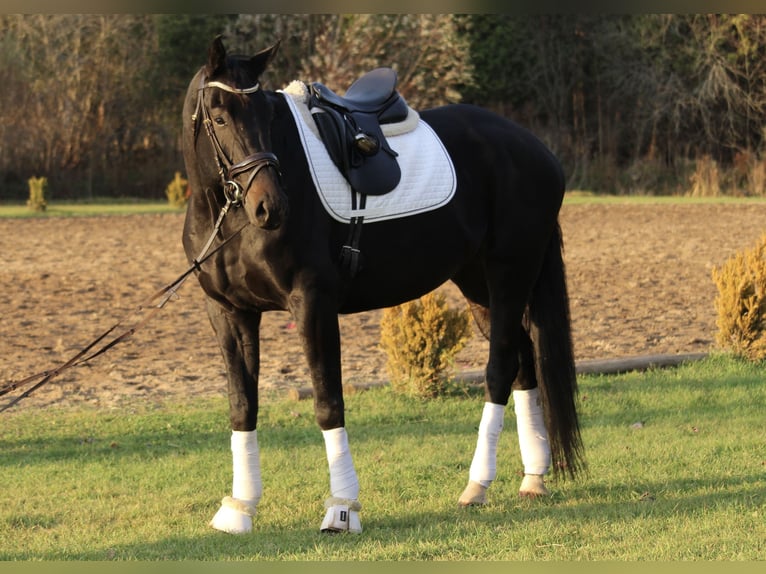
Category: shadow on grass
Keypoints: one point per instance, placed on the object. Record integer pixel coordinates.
(415, 535)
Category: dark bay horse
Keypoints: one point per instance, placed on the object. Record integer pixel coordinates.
(497, 239)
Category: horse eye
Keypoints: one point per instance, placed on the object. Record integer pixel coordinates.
(220, 121)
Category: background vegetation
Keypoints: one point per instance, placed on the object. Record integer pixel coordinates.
(644, 103)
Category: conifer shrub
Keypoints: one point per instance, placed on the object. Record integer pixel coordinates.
(177, 191)
(741, 302)
(38, 193)
(420, 339)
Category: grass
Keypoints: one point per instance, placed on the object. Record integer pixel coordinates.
(579, 197)
(121, 206)
(141, 483)
(83, 209)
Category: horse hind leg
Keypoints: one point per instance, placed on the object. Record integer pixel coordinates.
(530, 424)
(531, 429)
(506, 306)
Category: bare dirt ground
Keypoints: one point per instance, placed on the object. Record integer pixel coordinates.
(639, 281)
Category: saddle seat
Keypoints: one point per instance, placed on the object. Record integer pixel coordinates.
(375, 93)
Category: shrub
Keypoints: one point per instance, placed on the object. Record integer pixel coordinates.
(421, 339)
(706, 179)
(38, 193)
(177, 191)
(741, 302)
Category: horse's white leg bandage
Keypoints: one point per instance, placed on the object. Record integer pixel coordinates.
(343, 505)
(236, 513)
(484, 464)
(533, 436)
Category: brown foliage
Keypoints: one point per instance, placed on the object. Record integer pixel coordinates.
(421, 339)
(741, 302)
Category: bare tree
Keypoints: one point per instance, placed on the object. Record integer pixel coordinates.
(431, 60)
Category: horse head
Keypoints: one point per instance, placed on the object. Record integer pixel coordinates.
(230, 106)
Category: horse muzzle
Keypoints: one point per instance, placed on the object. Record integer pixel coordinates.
(268, 206)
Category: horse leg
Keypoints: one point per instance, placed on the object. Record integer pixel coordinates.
(237, 333)
(508, 291)
(530, 424)
(317, 326)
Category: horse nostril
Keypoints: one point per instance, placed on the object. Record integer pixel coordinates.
(262, 213)
(266, 217)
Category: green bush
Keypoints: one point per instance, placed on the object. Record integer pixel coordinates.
(38, 193)
(421, 339)
(741, 302)
(177, 191)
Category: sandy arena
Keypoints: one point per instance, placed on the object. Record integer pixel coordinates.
(639, 283)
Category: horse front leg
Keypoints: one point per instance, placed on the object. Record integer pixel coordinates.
(238, 337)
(317, 324)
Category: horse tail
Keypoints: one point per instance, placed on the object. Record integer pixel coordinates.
(549, 326)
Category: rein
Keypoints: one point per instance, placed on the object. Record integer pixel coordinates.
(235, 196)
(156, 302)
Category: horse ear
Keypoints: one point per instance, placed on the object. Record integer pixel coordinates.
(216, 57)
(262, 59)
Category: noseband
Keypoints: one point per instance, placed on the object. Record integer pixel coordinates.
(228, 170)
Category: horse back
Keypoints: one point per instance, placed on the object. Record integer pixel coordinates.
(499, 147)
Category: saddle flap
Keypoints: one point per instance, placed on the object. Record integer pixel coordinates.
(373, 174)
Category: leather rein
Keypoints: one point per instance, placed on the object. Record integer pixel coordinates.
(235, 196)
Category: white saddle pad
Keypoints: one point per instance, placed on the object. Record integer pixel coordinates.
(428, 176)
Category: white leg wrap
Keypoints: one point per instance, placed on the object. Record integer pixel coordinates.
(343, 480)
(484, 465)
(236, 513)
(533, 436)
(343, 505)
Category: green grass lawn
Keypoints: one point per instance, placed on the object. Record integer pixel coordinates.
(142, 482)
(117, 206)
(576, 197)
(85, 209)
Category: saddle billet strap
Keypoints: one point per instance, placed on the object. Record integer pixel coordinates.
(350, 255)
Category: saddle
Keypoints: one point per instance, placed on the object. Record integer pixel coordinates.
(350, 129)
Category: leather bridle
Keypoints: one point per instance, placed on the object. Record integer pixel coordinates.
(228, 170)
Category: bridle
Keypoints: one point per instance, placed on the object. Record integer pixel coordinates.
(227, 169)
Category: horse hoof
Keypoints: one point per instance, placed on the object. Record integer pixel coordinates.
(533, 486)
(234, 517)
(342, 516)
(474, 494)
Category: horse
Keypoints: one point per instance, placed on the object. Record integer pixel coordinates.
(497, 238)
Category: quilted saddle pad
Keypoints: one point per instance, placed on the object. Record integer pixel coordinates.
(428, 176)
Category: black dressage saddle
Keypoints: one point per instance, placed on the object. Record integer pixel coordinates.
(350, 128)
